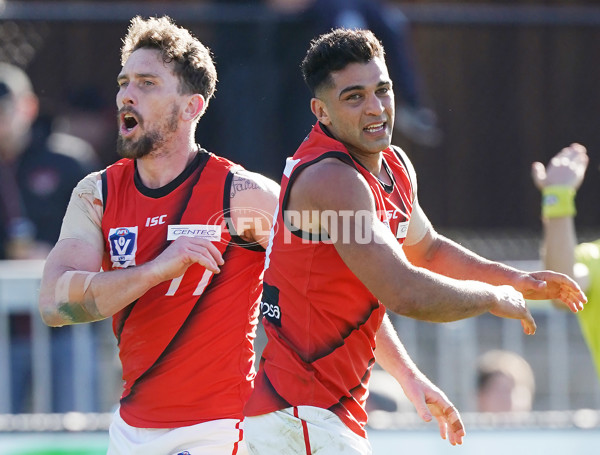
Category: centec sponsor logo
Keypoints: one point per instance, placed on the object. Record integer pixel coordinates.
(203, 231)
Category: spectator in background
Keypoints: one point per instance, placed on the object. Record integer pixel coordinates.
(35, 187)
(413, 120)
(505, 382)
(558, 183)
(88, 120)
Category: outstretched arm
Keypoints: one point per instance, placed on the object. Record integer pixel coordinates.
(441, 255)
(345, 209)
(428, 399)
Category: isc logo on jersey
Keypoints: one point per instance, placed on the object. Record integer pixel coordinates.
(123, 246)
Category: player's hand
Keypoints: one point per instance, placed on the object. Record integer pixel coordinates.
(429, 401)
(548, 285)
(567, 168)
(183, 252)
(511, 304)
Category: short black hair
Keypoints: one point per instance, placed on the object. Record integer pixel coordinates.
(334, 50)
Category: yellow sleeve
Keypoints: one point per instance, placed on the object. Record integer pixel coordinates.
(589, 318)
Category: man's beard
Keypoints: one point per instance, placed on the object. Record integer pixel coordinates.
(153, 140)
(128, 148)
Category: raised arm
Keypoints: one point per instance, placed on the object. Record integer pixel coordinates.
(380, 263)
(425, 396)
(253, 202)
(558, 183)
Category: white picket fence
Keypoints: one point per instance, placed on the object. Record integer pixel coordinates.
(565, 377)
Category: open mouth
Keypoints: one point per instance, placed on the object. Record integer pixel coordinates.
(375, 127)
(128, 122)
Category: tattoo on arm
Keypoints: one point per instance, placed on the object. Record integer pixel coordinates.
(239, 184)
(77, 312)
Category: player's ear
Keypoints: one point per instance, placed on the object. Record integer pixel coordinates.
(195, 107)
(319, 108)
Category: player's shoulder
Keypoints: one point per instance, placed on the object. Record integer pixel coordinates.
(251, 189)
(244, 179)
(328, 173)
(331, 184)
(90, 184)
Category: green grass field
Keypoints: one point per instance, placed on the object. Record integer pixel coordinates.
(54, 444)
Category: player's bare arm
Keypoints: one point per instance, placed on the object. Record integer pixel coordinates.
(441, 255)
(73, 290)
(253, 202)
(380, 262)
(428, 399)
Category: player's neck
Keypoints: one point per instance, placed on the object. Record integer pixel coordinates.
(372, 162)
(159, 168)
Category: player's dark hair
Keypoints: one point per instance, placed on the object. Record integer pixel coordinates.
(193, 63)
(335, 50)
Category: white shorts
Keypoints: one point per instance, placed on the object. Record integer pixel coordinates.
(302, 430)
(217, 437)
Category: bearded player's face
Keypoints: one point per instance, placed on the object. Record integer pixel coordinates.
(148, 103)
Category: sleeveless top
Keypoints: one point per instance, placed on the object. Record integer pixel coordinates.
(186, 345)
(320, 319)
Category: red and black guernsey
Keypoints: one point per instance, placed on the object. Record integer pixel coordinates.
(320, 320)
(186, 345)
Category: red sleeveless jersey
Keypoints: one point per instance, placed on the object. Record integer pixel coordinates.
(186, 345)
(320, 320)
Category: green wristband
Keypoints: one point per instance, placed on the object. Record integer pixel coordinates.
(558, 201)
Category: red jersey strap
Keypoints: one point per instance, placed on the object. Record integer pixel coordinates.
(404, 160)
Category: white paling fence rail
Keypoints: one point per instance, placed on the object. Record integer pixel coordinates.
(19, 288)
(583, 419)
(447, 353)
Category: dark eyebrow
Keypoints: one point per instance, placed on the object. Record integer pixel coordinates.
(120, 77)
(351, 89)
(361, 87)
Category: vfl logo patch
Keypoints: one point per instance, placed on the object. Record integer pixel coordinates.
(123, 246)
(185, 452)
(202, 231)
